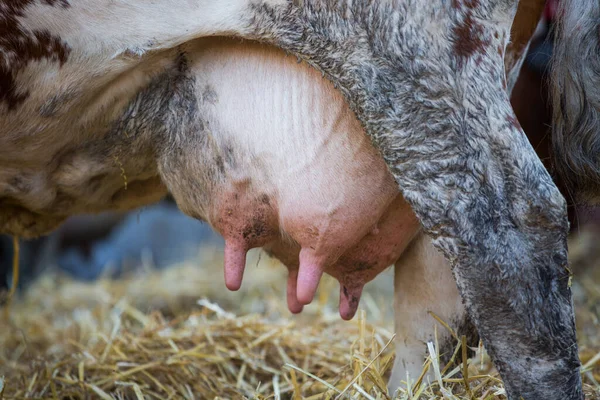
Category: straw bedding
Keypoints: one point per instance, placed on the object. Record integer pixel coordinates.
(179, 334)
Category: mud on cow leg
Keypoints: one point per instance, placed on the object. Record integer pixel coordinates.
(433, 98)
(424, 284)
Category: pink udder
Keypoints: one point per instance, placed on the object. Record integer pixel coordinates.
(362, 261)
(307, 183)
(358, 264)
(246, 221)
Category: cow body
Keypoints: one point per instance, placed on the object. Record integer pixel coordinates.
(99, 113)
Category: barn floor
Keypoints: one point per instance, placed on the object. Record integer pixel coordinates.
(180, 334)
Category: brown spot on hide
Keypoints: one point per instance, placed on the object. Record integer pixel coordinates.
(514, 122)
(19, 47)
(469, 4)
(468, 37)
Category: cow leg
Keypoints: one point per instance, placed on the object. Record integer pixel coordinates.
(423, 283)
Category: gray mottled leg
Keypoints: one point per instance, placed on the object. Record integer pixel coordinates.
(424, 283)
(427, 80)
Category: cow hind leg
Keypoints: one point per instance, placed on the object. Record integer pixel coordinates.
(424, 286)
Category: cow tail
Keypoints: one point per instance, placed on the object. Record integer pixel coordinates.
(575, 82)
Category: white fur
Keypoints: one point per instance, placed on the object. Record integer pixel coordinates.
(423, 283)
